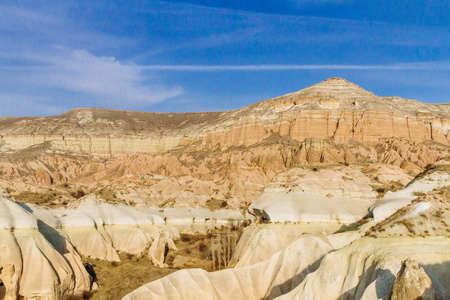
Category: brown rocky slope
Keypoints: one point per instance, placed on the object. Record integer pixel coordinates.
(223, 158)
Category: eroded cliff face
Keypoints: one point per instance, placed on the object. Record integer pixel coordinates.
(335, 109)
(188, 177)
(218, 158)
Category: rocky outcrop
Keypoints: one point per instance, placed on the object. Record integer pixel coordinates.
(40, 248)
(340, 195)
(366, 269)
(393, 201)
(412, 282)
(362, 270)
(35, 262)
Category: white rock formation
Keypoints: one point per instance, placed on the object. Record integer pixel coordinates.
(259, 242)
(393, 201)
(327, 196)
(36, 260)
(366, 269)
(308, 207)
(39, 248)
(310, 269)
(263, 280)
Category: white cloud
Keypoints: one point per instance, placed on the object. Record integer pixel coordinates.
(103, 81)
(106, 78)
(51, 62)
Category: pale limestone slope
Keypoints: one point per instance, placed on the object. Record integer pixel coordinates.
(35, 261)
(301, 195)
(39, 248)
(366, 268)
(259, 242)
(393, 201)
(264, 280)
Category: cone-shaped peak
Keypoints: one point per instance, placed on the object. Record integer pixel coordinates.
(332, 93)
(336, 87)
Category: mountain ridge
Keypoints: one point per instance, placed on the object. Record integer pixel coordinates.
(334, 108)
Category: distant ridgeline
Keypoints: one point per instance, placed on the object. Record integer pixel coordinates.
(335, 110)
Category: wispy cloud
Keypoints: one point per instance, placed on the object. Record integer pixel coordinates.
(50, 62)
(105, 81)
(107, 78)
(214, 68)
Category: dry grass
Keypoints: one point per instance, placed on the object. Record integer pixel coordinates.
(215, 204)
(51, 197)
(108, 195)
(116, 279)
(383, 189)
(43, 199)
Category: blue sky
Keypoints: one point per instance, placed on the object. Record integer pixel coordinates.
(207, 55)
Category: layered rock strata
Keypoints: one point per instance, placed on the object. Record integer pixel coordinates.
(335, 109)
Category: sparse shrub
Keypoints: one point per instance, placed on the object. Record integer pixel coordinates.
(409, 226)
(419, 194)
(185, 238)
(438, 214)
(381, 190)
(169, 259)
(87, 294)
(202, 247)
(108, 195)
(78, 194)
(64, 185)
(36, 198)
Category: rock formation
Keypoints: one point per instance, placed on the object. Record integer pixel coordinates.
(198, 159)
(334, 108)
(412, 282)
(33, 239)
(350, 185)
(361, 263)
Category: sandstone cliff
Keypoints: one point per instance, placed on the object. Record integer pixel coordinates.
(334, 108)
(219, 158)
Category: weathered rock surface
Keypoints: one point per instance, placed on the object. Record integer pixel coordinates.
(362, 270)
(40, 248)
(36, 261)
(412, 282)
(264, 280)
(259, 242)
(329, 195)
(334, 108)
(198, 159)
(392, 201)
(366, 268)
